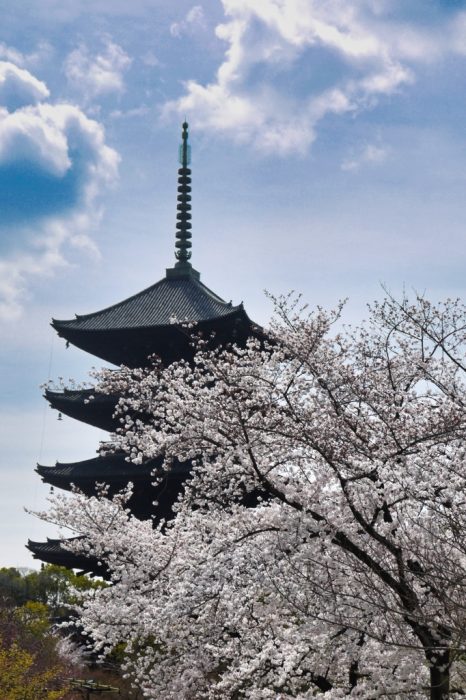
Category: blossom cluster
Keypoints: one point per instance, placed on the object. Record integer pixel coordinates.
(318, 547)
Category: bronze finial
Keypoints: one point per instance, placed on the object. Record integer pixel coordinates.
(183, 217)
(183, 224)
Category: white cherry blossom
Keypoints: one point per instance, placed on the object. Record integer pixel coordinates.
(319, 547)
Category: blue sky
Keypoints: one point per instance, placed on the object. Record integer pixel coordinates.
(329, 156)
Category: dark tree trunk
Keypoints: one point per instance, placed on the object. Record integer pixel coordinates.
(437, 652)
(440, 678)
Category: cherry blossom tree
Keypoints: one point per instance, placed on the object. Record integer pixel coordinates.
(319, 546)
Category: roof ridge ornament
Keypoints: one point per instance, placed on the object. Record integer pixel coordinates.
(183, 267)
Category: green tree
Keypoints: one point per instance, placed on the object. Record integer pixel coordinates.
(52, 586)
(31, 667)
(20, 679)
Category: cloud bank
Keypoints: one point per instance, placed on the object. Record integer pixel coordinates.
(54, 163)
(290, 63)
(19, 88)
(193, 21)
(100, 74)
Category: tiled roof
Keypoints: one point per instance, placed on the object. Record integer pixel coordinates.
(78, 404)
(79, 396)
(108, 467)
(52, 545)
(53, 553)
(185, 299)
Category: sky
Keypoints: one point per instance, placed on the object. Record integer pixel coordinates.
(328, 157)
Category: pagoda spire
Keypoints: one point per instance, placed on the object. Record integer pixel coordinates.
(183, 267)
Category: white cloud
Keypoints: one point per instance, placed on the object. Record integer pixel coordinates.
(42, 52)
(370, 154)
(98, 74)
(151, 60)
(458, 33)
(43, 135)
(43, 258)
(65, 153)
(141, 111)
(9, 53)
(15, 273)
(193, 21)
(265, 91)
(18, 87)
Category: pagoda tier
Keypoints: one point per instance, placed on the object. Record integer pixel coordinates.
(53, 552)
(86, 406)
(114, 471)
(128, 332)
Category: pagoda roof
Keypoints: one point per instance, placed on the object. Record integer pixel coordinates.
(185, 299)
(107, 469)
(52, 552)
(86, 405)
(75, 395)
(144, 324)
(154, 492)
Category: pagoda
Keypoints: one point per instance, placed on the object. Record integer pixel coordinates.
(128, 333)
